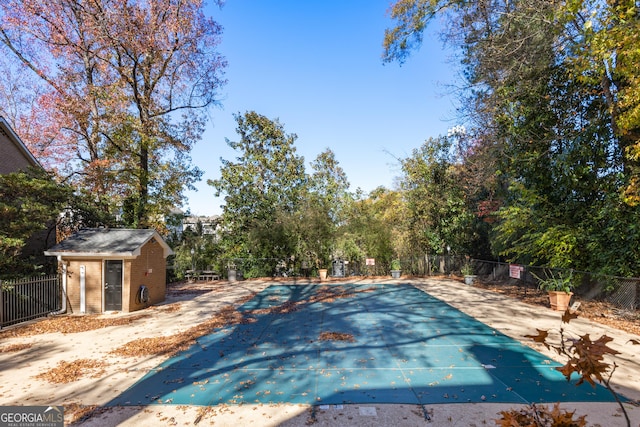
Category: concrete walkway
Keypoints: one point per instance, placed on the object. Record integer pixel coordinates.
(182, 311)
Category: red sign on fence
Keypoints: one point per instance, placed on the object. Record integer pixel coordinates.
(515, 270)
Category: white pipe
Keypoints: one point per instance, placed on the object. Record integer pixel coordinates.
(83, 286)
(64, 287)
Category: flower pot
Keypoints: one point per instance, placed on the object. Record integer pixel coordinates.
(469, 279)
(559, 300)
(395, 274)
(323, 274)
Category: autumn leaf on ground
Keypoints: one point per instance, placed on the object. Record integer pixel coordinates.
(335, 336)
(66, 372)
(75, 412)
(172, 344)
(72, 324)
(568, 315)
(540, 338)
(565, 418)
(534, 416)
(11, 348)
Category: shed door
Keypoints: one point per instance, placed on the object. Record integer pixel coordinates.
(113, 285)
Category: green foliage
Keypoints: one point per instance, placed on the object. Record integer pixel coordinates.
(466, 269)
(195, 251)
(437, 211)
(29, 201)
(551, 92)
(32, 202)
(373, 224)
(412, 17)
(556, 281)
(263, 190)
(395, 264)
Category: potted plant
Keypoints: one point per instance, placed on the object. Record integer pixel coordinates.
(467, 272)
(320, 261)
(232, 272)
(396, 270)
(558, 287)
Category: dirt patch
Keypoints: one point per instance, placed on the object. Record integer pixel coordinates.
(598, 311)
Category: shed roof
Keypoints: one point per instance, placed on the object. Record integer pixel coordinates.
(107, 242)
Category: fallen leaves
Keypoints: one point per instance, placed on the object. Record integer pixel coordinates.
(534, 415)
(540, 338)
(567, 316)
(71, 324)
(336, 336)
(76, 412)
(66, 372)
(172, 344)
(169, 308)
(12, 348)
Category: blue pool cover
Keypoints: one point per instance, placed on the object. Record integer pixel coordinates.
(370, 344)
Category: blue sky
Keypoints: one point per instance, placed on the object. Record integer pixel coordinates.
(316, 66)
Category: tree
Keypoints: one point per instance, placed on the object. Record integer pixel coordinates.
(262, 189)
(329, 184)
(322, 210)
(605, 54)
(125, 85)
(374, 227)
(32, 207)
(547, 91)
(438, 214)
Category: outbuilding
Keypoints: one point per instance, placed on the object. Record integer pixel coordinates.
(112, 269)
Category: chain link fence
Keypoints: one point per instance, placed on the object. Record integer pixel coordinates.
(274, 267)
(623, 292)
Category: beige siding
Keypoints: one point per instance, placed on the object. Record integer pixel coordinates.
(93, 285)
(149, 269)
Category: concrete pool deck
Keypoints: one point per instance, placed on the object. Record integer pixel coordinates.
(17, 385)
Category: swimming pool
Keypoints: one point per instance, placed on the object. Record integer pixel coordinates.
(355, 343)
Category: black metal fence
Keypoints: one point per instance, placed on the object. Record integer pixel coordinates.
(29, 298)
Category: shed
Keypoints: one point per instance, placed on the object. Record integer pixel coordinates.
(112, 269)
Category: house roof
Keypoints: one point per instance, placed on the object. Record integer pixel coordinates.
(107, 242)
(17, 142)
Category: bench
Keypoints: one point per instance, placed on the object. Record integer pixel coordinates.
(208, 275)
